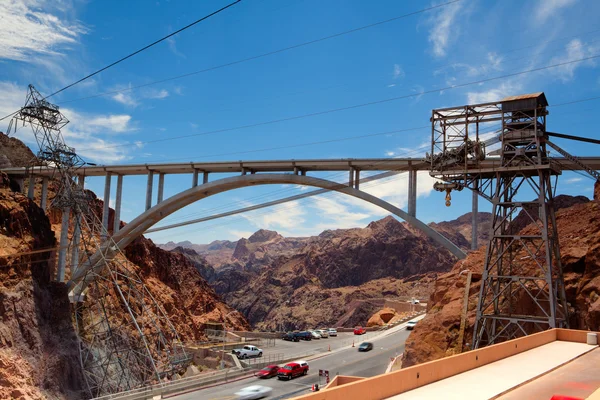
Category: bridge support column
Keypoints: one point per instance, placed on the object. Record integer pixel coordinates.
(356, 178)
(106, 209)
(63, 245)
(117, 220)
(412, 193)
(44, 198)
(474, 216)
(149, 190)
(195, 178)
(351, 177)
(31, 188)
(205, 178)
(77, 232)
(161, 188)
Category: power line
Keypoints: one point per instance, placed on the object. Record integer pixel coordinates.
(137, 52)
(147, 47)
(355, 106)
(267, 54)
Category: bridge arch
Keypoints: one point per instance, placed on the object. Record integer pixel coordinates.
(144, 221)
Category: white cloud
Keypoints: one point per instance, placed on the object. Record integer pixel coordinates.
(125, 98)
(159, 94)
(444, 29)
(574, 50)
(28, 30)
(236, 234)
(545, 9)
(506, 88)
(398, 71)
(194, 126)
(173, 47)
(285, 216)
(573, 180)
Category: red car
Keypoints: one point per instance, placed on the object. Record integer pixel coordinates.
(268, 372)
(359, 330)
(292, 370)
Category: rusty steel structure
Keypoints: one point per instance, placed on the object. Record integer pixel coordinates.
(126, 340)
(522, 289)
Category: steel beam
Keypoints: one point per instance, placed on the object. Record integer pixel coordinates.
(44, 199)
(117, 220)
(63, 245)
(475, 216)
(161, 188)
(149, 189)
(106, 208)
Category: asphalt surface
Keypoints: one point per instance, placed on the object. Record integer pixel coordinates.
(345, 361)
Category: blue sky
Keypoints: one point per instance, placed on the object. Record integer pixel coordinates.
(53, 43)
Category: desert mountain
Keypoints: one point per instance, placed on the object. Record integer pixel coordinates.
(338, 278)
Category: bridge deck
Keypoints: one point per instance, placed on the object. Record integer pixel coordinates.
(361, 164)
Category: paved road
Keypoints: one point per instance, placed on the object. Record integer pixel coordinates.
(343, 362)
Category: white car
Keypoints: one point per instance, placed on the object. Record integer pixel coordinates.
(315, 334)
(253, 392)
(323, 332)
(332, 332)
(410, 325)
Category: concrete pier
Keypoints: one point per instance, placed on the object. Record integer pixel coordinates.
(44, 199)
(77, 231)
(106, 208)
(31, 188)
(161, 188)
(63, 245)
(351, 177)
(195, 178)
(205, 178)
(149, 190)
(117, 220)
(412, 193)
(356, 179)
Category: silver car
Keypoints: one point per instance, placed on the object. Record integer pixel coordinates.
(332, 331)
(253, 392)
(323, 332)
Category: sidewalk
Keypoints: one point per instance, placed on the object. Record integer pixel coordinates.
(496, 378)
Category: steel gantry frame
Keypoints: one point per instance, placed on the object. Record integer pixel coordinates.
(522, 289)
(125, 338)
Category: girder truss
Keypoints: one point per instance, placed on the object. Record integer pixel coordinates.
(522, 289)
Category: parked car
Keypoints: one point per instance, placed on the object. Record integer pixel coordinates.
(303, 364)
(410, 325)
(292, 370)
(247, 351)
(323, 332)
(365, 346)
(359, 330)
(332, 331)
(304, 335)
(253, 392)
(315, 334)
(291, 336)
(268, 372)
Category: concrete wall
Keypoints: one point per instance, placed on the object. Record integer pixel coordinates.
(387, 385)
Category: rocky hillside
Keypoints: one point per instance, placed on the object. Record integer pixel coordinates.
(39, 355)
(331, 275)
(459, 231)
(578, 221)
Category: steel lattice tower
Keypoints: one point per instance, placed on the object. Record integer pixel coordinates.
(522, 289)
(126, 340)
